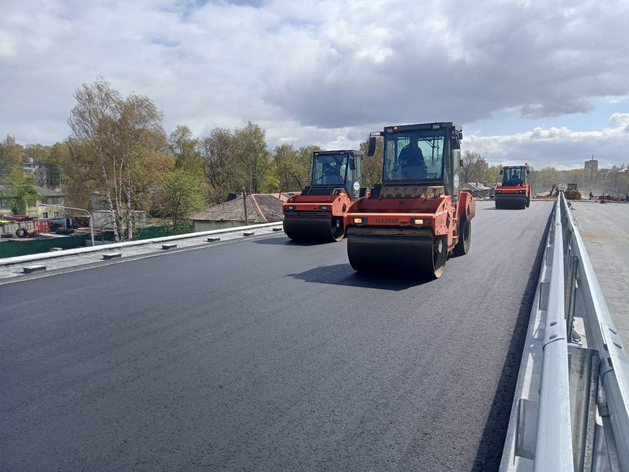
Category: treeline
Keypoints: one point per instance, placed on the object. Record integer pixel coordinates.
(613, 181)
(119, 150)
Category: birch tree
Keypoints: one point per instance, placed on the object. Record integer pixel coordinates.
(118, 140)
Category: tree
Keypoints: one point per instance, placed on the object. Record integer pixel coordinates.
(185, 146)
(251, 150)
(492, 175)
(544, 179)
(180, 196)
(372, 166)
(10, 155)
(121, 144)
(291, 168)
(218, 154)
(60, 164)
(474, 167)
(20, 190)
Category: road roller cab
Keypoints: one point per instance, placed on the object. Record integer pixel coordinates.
(419, 214)
(514, 192)
(317, 214)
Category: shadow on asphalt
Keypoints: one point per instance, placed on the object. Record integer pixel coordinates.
(343, 274)
(490, 449)
(283, 240)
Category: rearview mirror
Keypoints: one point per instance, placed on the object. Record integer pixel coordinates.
(500, 171)
(372, 146)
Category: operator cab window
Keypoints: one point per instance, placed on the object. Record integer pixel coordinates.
(413, 156)
(513, 176)
(329, 169)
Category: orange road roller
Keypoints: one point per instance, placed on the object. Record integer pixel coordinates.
(318, 213)
(418, 215)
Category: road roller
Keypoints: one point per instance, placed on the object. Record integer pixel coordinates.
(418, 215)
(318, 213)
(514, 192)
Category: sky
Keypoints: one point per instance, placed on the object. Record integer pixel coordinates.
(539, 81)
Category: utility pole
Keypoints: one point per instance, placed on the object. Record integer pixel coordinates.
(244, 202)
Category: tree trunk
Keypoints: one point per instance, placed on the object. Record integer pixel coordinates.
(109, 200)
(129, 208)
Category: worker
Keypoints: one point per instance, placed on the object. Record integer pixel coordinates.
(591, 195)
(332, 175)
(412, 160)
(514, 176)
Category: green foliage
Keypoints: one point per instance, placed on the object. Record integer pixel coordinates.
(57, 157)
(492, 175)
(291, 168)
(544, 179)
(20, 190)
(220, 167)
(118, 147)
(372, 166)
(10, 155)
(252, 152)
(185, 148)
(179, 197)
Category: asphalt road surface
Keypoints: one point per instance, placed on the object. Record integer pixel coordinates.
(265, 355)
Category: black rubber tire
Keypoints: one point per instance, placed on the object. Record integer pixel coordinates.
(338, 230)
(21, 233)
(440, 255)
(465, 238)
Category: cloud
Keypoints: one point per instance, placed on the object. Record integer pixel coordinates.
(557, 147)
(314, 72)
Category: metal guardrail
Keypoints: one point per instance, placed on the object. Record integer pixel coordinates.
(571, 405)
(553, 448)
(128, 244)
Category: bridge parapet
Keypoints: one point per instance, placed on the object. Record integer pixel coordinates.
(571, 405)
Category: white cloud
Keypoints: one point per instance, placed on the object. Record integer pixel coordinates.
(557, 147)
(323, 72)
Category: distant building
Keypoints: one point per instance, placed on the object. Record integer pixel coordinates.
(40, 209)
(105, 219)
(592, 165)
(477, 189)
(261, 208)
(45, 175)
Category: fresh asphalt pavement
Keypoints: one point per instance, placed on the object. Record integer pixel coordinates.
(269, 355)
